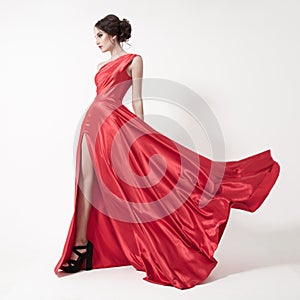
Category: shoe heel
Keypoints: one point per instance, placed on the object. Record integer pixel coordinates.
(89, 258)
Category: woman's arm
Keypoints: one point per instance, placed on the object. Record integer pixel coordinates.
(137, 77)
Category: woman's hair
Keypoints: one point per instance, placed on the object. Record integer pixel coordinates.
(112, 25)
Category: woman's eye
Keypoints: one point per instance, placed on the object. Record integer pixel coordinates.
(99, 35)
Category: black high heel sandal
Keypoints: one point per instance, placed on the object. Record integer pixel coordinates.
(75, 265)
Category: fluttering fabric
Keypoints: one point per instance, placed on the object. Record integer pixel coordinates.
(156, 204)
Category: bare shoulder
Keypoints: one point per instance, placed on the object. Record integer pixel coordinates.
(136, 67)
(138, 60)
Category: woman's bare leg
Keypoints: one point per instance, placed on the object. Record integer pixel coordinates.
(83, 198)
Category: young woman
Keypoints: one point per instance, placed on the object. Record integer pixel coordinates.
(139, 194)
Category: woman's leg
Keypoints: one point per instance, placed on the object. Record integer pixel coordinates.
(83, 198)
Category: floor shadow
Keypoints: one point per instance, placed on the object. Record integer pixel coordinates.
(244, 249)
(63, 274)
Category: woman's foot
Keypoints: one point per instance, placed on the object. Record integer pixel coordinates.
(83, 250)
(74, 256)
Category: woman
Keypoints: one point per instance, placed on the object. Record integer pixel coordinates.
(106, 43)
(131, 208)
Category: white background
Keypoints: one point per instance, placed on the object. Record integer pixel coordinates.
(242, 57)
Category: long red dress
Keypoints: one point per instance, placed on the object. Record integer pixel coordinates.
(155, 204)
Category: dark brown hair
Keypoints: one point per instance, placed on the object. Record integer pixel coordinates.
(112, 25)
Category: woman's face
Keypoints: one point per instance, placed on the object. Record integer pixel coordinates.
(102, 39)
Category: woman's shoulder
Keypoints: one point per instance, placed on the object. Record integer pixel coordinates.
(137, 55)
(137, 59)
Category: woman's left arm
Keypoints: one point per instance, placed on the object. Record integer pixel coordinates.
(137, 78)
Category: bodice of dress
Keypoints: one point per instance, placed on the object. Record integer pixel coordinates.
(112, 80)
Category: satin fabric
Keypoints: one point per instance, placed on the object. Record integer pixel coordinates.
(164, 217)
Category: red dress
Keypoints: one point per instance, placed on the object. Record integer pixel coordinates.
(154, 204)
